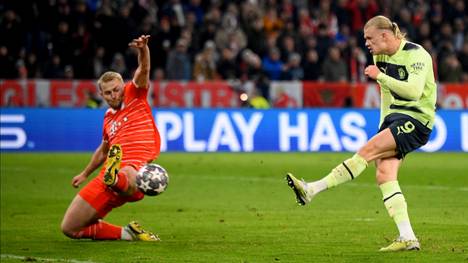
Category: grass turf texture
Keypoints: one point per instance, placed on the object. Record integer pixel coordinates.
(238, 208)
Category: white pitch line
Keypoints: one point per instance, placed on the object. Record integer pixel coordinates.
(23, 258)
(352, 184)
(424, 187)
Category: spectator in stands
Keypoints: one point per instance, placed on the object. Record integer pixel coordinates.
(230, 34)
(92, 100)
(68, 72)
(158, 75)
(54, 69)
(463, 58)
(127, 25)
(357, 61)
(458, 9)
(98, 62)
(82, 50)
(62, 42)
(7, 64)
(11, 32)
(118, 65)
(289, 31)
(326, 16)
(450, 70)
(423, 32)
(32, 66)
(343, 36)
(357, 65)
(312, 70)
(307, 26)
(293, 69)
(342, 13)
(404, 21)
(207, 31)
(288, 47)
(459, 34)
(360, 12)
(257, 101)
(195, 7)
(250, 66)
(334, 67)
(166, 37)
(174, 9)
(288, 9)
(324, 41)
(227, 66)
(309, 43)
(272, 24)
(272, 64)
(436, 18)
(214, 14)
(256, 36)
(178, 65)
(204, 68)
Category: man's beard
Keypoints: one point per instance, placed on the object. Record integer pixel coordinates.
(117, 106)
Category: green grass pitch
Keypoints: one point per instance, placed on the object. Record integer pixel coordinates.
(226, 207)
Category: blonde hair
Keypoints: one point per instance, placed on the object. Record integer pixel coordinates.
(108, 76)
(382, 22)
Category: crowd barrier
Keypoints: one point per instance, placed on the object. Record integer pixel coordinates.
(226, 130)
(220, 94)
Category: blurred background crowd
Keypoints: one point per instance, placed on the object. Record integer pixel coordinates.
(205, 40)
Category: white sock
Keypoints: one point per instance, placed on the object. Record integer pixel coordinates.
(125, 234)
(318, 186)
(406, 231)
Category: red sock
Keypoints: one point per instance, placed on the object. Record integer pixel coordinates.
(122, 183)
(101, 231)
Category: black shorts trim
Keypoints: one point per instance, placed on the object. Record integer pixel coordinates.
(408, 108)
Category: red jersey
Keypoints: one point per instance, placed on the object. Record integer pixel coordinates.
(133, 128)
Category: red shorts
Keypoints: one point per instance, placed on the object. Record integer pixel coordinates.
(104, 199)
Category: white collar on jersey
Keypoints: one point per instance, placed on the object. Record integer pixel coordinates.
(113, 111)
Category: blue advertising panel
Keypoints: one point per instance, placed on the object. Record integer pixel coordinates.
(227, 130)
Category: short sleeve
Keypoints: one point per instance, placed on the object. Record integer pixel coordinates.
(131, 92)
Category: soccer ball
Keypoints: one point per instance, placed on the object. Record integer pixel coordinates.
(152, 179)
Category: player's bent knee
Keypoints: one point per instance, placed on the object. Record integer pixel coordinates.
(69, 231)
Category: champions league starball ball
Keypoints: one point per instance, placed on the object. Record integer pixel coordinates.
(152, 179)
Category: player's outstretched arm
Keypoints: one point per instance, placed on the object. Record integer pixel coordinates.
(96, 161)
(141, 77)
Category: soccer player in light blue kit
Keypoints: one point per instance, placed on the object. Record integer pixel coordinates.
(408, 96)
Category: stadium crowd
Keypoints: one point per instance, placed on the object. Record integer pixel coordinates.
(211, 39)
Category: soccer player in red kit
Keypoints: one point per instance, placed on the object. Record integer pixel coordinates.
(130, 140)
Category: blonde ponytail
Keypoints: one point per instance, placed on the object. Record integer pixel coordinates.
(397, 32)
